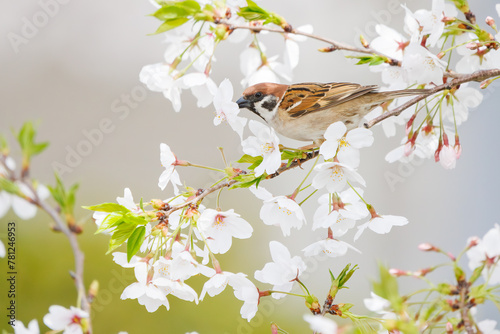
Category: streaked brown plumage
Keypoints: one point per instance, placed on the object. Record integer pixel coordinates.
(304, 111)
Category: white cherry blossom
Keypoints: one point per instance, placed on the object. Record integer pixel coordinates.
(377, 304)
(422, 66)
(488, 326)
(69, 320)
(281, 272)
(334, 176)
(32, 328)
(389, 42)
(216, 284)
(247, 292)
(264, 143)
(226, 109)
(169, 161)
(219, 227)
(146, 293)
(280, 211)
(329, 247)
(347, 144)
(339, 218)
(381, 224)
(320, 324)
(487, 251)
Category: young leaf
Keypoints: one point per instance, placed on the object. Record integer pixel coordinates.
(135, 241)
(122, 233)
(26, 139)
(107, 207)
(171, 24)
(111, 220)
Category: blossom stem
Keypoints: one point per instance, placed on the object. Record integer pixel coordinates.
(305, 199)
(204, 167)
(297, 190)
(350, 185)
(288, 293)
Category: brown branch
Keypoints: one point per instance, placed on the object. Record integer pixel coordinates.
(459, 79)
(335, 45)
(199, 197)
(465, 305)
(229, 183)
(294, 164)
(61, 226)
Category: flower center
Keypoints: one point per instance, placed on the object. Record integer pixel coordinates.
(285, 210)
(343, 142)
(219, 220)
(267, 148)
(337, 174)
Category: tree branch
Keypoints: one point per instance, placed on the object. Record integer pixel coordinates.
(335, 45)
(459, 79)
(229, 183)
(61, 226)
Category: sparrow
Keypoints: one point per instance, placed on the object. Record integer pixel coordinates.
(304, 111)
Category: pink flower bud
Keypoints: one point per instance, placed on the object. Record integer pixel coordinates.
(398, 272)
(449, 328)
(427, 247)
(473, 241)
(491, 22)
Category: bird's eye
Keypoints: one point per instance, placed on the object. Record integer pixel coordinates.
(258, 95)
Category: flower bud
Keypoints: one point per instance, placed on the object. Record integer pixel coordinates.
(491, 22)
(364, 42)
(484, 84)
(398, 272)
(473, 241)
(449, 328)
(427, 247)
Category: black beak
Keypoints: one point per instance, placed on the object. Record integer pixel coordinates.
(242, 103)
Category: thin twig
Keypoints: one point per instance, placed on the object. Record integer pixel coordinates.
(229, 183)
(61, 226)
(335, 45)
(459, 79)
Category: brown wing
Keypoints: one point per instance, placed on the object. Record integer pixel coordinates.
(305, 98)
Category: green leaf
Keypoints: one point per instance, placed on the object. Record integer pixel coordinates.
(26, 139)
(371, 60)
(107, 207)
(65, 199)
(254, 161)
(170, 13)
(254, 12)
(9, 186)
(133, 218)
(388, 288)
(141, 205)
(122, 233)
(135, 241)
(171, 24)
(248, 180)
(108, 221)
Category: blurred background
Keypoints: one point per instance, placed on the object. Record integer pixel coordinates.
(83, 62)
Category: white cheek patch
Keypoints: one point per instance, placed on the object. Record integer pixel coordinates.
(296, 104)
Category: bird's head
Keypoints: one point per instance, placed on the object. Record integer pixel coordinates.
(263, 99)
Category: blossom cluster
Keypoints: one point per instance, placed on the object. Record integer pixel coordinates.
(431, 37)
